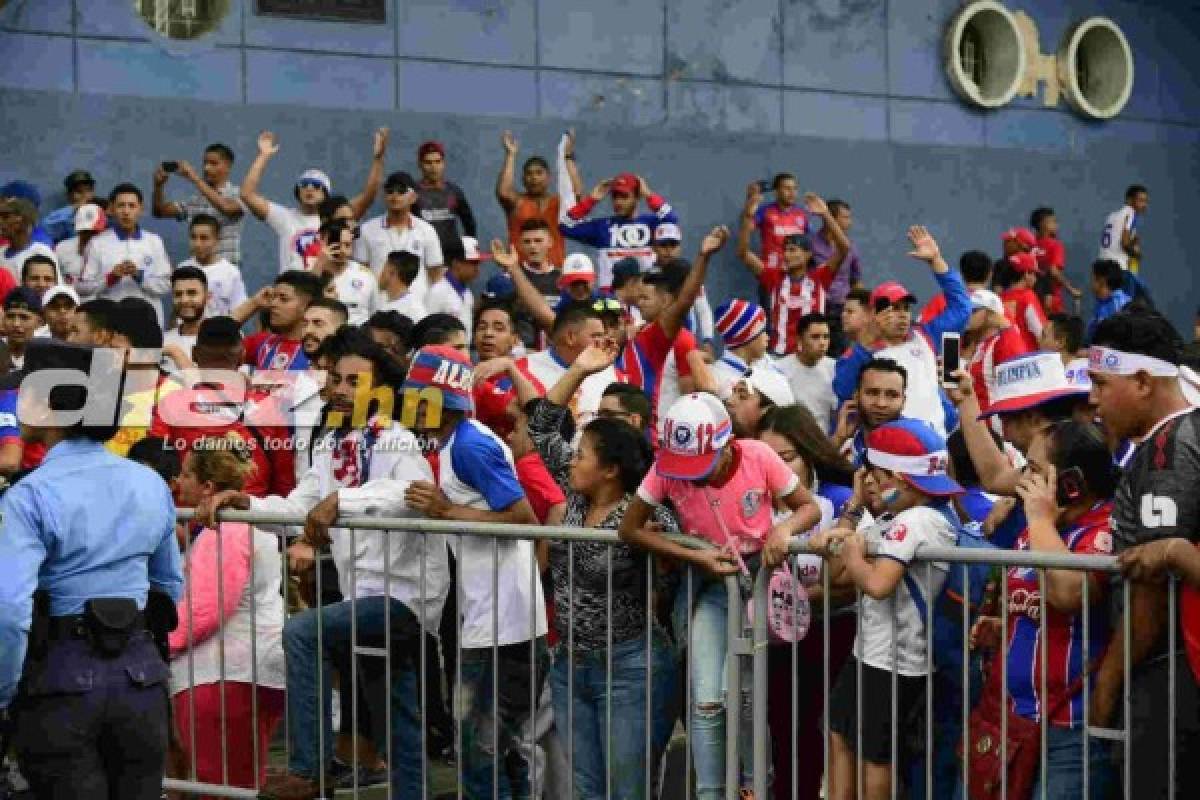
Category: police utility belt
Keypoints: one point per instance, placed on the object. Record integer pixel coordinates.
(107, 624)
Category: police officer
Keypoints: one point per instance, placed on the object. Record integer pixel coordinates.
(84, 540)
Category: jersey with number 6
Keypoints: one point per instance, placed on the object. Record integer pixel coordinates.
(1115, 224)
(1157, 497)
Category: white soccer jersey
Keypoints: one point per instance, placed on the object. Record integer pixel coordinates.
(357, 290)
(1123, 219)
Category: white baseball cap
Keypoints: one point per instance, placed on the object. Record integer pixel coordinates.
(60, 290)
(668, 232)
(471, 249)
(694, 430)
(90, 217)
(1078, 375)
(1028, 381)
(986, 298)
(772, 383)
(576, 267)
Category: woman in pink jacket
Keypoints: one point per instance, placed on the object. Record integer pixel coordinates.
(230, 629)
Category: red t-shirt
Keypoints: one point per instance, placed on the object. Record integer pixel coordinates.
(791, 299)
(776, 224)
(492, 398)
(7, 283)
(267, 351)
(1051, 254)
(540, 489)
(1025, 310)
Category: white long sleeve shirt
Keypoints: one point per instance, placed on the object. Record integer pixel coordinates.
(153, 279)
(363, 557)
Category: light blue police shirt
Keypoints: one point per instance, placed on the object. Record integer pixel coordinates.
(84, 524)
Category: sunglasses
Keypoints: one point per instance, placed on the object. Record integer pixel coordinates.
(606, 305)
(310, 184)
(397, 189)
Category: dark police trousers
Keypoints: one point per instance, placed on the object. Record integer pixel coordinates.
(92, 727)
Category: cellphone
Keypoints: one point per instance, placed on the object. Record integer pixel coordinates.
(765, 186)
(1071, 486)
(951, 363)
(170, 166)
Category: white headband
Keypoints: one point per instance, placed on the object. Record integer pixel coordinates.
(1107, 361)
(929, 464)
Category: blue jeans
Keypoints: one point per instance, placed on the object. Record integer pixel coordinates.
(303, 658)
(1064, 766)
(493, 729)
(593, 698)
(707, 662)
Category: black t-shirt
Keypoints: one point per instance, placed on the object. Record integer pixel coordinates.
(1159, 493)
(547, 285)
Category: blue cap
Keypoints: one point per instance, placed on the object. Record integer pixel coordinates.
(22, 189)
(499, 287)
(914, 450)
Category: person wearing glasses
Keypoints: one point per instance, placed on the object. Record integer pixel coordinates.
(299, 245)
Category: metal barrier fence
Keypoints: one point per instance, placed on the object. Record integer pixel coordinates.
(552, 773)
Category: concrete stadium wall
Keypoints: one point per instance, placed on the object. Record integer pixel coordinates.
(700, 95)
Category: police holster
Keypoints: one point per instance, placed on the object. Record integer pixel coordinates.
(110, 622)
(161, 619)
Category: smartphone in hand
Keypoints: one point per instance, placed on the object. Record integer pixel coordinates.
(951, 360)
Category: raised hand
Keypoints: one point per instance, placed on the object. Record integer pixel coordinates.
(485, 370)
(268, 144)
(601, 189)
(509, 142)
(381, 142)
(1038, 495)
(569, 150)
(505, 256)
(925, 247)
(753, 198)
(714, 241)
(186, 170)
(643, 187)
(597, 358)
(815, 204)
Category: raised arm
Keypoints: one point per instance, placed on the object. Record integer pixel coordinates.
(245, 311)
(161, 207)
(841, 245)
(749, 220)
(533, 301)
(995, 472)
(229, 206)
(506, 193)
(958, 303)
(1064, 588)
(268, 146)
(361, 203)
(673, 315)
(591, 361)
(572, 165)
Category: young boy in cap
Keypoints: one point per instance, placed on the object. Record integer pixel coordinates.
(1021, 301)
(723, 490)
(753, 395)
(58, 306)
(743, 329)
(498, 579)
(81, 190)
(299, 246)
(624, 234)
(89, 220)
(906, 487)
(797, 286)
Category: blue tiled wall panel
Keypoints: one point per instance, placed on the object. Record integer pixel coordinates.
(930, 122)
(737, 109)
(914, 48)
(144, 68)
(37, 15)
(619, 36)
(467, 90)
(724, 41)
(835, 45)
(601, 99)
(487, 31)
(1047, 130)
(834, 116)
(320, 80)
(36, 61)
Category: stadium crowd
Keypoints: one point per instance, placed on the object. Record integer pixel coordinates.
(591, 383)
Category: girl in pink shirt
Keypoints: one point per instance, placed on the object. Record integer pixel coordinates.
(723, 491)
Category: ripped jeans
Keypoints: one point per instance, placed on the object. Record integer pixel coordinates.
(707, 660)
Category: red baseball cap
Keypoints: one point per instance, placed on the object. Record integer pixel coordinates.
(625, 183)
(1023, 262)
(1024, 237)
(431, 146)
(892, 292)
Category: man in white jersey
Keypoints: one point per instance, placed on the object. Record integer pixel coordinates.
(226, 289)
(299, 247)
(126, 261)
(400, 229)
(1120, 240)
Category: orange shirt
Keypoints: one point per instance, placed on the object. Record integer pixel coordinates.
(527, 208)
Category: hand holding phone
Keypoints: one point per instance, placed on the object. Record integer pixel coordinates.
(765, 186)
(951, 361)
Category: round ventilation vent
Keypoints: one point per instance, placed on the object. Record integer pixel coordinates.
(1095, 68)
(984, 55)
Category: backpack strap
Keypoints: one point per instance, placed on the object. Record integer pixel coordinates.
(914, 589)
